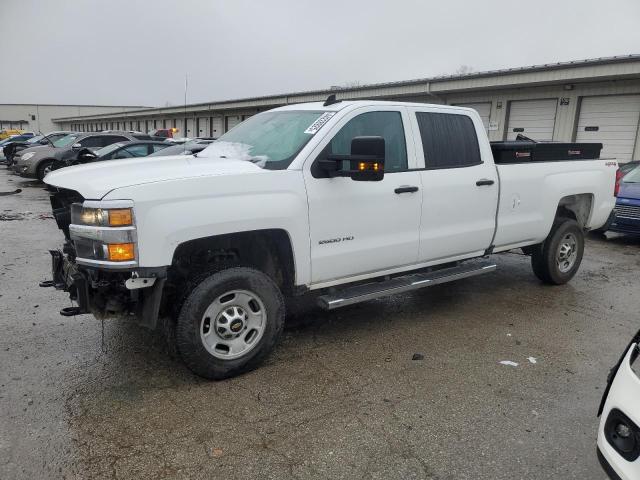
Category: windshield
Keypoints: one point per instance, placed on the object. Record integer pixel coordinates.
(35, 139)
(108, 149)
(269, 139)
(633, 176)
(64, 141)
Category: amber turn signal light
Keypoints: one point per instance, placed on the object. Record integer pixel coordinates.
(121, 252)
(120, 217)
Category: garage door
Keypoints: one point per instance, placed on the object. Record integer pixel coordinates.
(202, 126)
(232, 121)
(484, 109)
(532, 118)
(216, 126)
(190, 128)
(611, 120)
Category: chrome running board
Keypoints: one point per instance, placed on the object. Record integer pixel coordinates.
(406, 283)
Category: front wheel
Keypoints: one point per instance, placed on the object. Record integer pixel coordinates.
(230, 323)
(43, 169)
(556, 260)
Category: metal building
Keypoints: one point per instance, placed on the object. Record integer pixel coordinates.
(38, 117)
(595, 100)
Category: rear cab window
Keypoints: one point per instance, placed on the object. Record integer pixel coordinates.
(449, 140)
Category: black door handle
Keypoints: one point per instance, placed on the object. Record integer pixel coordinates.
(406, 189)
(484, 181)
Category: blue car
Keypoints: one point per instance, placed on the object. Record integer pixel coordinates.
(627, 210)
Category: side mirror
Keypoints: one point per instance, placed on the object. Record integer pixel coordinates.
(76, 146)
(44, 141)
(364, 164)
(86, 155)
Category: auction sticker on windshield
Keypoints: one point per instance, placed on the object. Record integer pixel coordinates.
(318, 124)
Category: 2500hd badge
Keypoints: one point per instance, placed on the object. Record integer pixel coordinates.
(336, 240)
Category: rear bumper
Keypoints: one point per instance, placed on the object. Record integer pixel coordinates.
(627, 222)
(625, 225)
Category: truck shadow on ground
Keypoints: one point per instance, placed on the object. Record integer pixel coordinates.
(616, 239)
(130, 348)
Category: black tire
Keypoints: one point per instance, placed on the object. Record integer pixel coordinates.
(544, 256)
(40, 172)
(188, 326)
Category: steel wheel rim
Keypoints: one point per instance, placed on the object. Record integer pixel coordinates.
(233, 324)
(567, 253)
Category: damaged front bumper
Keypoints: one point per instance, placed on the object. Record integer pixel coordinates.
(135, 293)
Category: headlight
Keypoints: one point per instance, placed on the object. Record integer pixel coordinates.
(101, 217)
(103, 235)
(28, 155)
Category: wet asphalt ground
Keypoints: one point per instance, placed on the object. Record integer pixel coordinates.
(341, 396)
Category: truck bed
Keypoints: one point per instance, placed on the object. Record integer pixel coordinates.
(531, 191)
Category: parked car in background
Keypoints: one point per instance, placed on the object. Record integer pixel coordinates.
(619, 412)
(623, 169)
(626, 217)
(115, 151)
(7, 142)
(6, 133)
(36, 162)
(11, 148)
(163, 132)
(187, 148)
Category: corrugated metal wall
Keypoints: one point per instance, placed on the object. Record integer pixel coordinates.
(496, 101)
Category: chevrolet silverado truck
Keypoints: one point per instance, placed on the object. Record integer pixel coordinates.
(350, 199)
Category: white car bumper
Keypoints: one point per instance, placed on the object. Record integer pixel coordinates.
(621, 456)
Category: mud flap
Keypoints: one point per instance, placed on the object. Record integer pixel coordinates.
(150, 304)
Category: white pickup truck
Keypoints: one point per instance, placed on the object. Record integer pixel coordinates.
(352, 199)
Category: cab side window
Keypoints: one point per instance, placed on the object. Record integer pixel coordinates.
(448, 140)
(387, 125)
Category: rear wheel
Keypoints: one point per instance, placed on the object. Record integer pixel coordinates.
(230, 323)
(43, 169)
(558, 258)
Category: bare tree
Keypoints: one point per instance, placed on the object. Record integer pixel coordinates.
(464, 70)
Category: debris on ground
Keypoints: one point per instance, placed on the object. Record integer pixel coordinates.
(4, 194)
(417, 356)
(509, 363)
(216, 452)
(532, 360)
(7, 217)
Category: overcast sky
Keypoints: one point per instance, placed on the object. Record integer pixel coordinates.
(137, 52)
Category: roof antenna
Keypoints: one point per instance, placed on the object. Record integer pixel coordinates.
(331, 99)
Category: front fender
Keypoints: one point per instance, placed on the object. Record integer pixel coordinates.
(169, 213)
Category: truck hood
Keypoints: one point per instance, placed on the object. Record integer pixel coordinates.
(93, 181)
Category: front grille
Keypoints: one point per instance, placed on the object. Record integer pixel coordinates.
(627, 211)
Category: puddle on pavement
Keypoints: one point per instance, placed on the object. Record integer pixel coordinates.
(8, 217)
